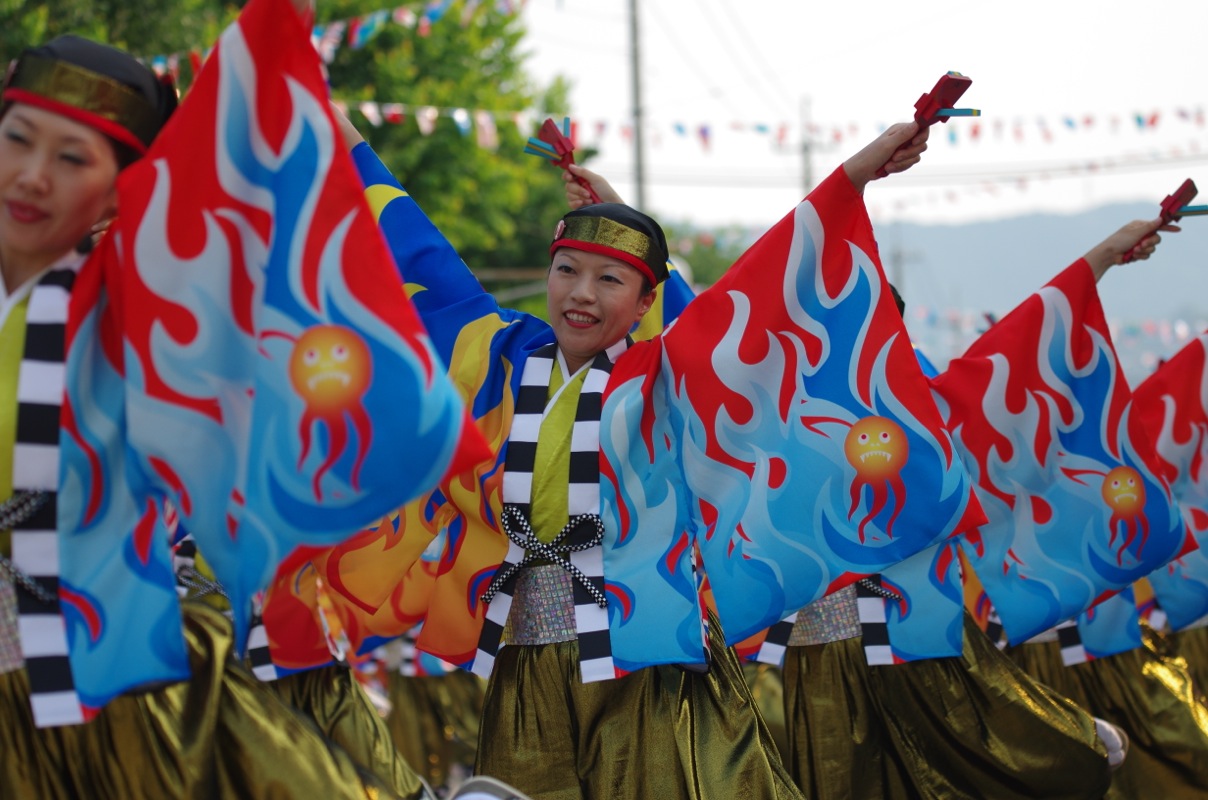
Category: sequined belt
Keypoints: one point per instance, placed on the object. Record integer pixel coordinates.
(543, 606)
(831, 619)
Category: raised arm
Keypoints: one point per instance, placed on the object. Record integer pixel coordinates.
(451, 302)
(436, 277)
(896, 150)
(1139, 234)
(578, 195)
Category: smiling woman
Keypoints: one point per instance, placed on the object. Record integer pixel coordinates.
(73, 114)
(56, 179)
(607, 258)
(576, 708)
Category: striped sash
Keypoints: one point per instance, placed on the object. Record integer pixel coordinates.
(35, 541)
(1070, 638)
(874, 626)
(577, 548)
(776, 641)
(192, 584)
(259, 656)
(408, 665)
(994, 630)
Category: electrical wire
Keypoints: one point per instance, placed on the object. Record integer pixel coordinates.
(744, 177)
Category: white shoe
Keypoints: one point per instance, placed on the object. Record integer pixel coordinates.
(481, 787)
(1116, 741)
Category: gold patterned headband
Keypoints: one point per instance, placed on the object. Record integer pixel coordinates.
(84, 96)
(607, 235)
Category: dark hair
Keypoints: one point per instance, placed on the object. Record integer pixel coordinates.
(897, 299)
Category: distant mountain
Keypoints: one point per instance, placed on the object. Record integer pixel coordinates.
(951, 274)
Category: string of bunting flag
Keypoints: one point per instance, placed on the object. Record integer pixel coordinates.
(354, 32)
(780, 135)
(357, 32)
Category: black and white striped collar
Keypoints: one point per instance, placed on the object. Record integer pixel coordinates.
(71, 261)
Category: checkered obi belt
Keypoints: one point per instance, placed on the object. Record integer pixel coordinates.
(544, 596)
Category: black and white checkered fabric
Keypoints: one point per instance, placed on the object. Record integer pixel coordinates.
(776, 641)
(871, 597)
(1072, 651)
(874, 627)
(184, 564)
(408, 665)
(258, 654)
(191, 583)
(994, 630)
(35, 546)
(577, 546)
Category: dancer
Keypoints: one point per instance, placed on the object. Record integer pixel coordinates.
(74, 114)
(543, 728)
(1076, 506)
(972, 725)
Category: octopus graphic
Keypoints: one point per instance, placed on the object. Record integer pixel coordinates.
(330, 368)
(1124, 492)
(877, 448)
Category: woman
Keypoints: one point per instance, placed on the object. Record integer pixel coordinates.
(996, 731)
(852, 730)
(687, 730)
(74, 113)
(1146, 691)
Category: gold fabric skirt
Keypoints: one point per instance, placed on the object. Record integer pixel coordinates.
(434, 722)
(336, 703)
(766, 683)
(1150, 697)
(969, 727)
(660, 733)
(220, 734)
(1192, 647)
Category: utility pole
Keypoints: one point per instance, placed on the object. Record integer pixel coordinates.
(896, 258)
(807, 156)
(639, 159)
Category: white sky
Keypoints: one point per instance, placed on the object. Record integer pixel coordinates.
(864, 63)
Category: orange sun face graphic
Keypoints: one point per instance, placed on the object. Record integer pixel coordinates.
(1124, 492)
(329, 368)
(876, 447)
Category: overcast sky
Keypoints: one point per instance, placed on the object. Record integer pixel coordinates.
(1058, 82)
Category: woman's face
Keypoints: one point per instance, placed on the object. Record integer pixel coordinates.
(56, 181)
(594, 300)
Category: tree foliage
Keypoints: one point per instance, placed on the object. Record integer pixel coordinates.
(142, 27)
(498, 207)
(708, 253)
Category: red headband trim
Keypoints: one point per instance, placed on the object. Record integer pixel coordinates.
(604, 250)
(106, 126)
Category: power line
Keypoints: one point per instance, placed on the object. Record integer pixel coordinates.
(723, 40)
(754, 49)
(744, 177)
(671, 36)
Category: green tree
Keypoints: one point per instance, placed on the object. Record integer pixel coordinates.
(498, 207)
(143, 27)
(709, 253)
